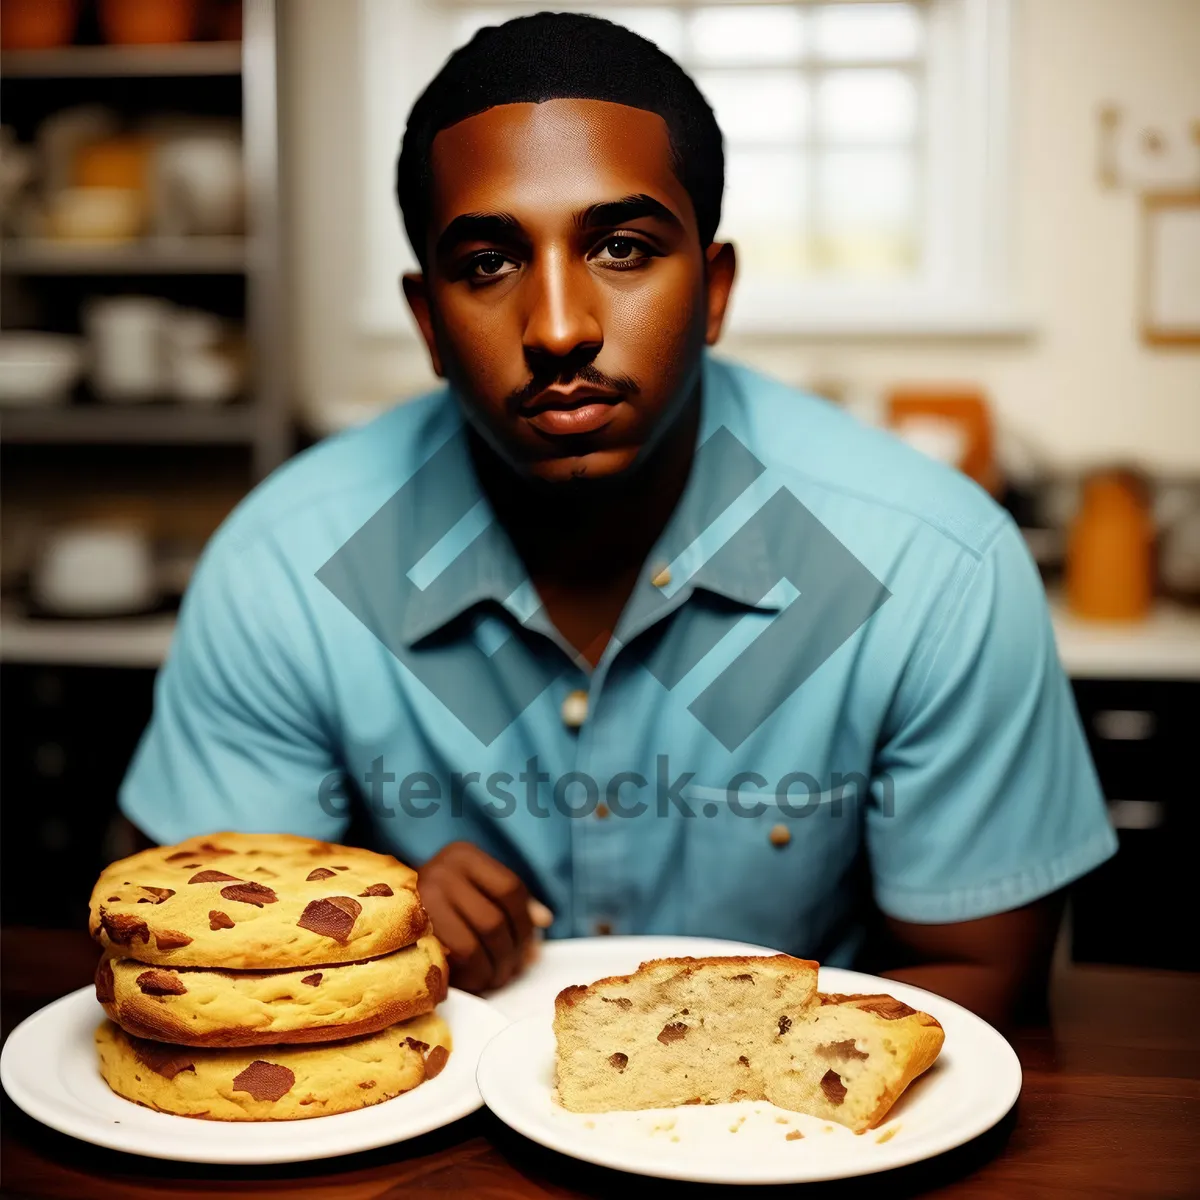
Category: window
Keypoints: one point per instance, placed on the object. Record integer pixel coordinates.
(865, 188)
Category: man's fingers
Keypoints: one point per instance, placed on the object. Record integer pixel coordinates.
(490, 924)
(539, 914)
(470, 965)
(504, 888)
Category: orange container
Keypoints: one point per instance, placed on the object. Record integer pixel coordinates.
(114, 163)
(148, 22)
(1110, 550)
(968, 409)
(37, 24)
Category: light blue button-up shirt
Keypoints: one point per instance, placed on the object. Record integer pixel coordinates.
(837, 657)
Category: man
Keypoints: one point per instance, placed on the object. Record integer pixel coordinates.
(608, 623)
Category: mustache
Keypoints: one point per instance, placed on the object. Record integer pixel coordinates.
(588, 373)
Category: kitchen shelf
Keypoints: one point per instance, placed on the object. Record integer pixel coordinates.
(164, 425)
(127, 642)
(149, 256)
(78, 62)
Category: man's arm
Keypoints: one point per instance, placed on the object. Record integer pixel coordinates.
(997, 966)
(986, 804)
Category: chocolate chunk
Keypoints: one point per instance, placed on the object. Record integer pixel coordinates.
(744, 1061)
(170, 939)
(209, 848)
(378, 889)
(319, 873)
(158, 894)
(742, 978)
(887, 1007)
(672, 1032)
(619, 1061)
(264, 1080)
(622, 1002)
(785, 1023)
(161, 983)
(219, 920)
(367, 1084)
(180, 854)
(332, 917)
(419, 1046)
(845, 1051)
(106, 991)
(257, 894)
(833, 1087)
(312, 980)
(162, 1059)
(213, 877)
(123, 929)
(113, 899)
(436, 1061)
(435, 983)
(337, 868)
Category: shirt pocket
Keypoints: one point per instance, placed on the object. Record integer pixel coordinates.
(778, 875)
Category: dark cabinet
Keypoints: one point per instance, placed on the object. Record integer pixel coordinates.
(68, 734)
(1137, 907)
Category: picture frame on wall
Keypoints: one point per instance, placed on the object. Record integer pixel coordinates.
(1170, 302)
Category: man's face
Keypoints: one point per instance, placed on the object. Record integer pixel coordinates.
(567, 297)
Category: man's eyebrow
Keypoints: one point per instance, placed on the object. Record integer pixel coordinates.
(478, 227)
(621, 212)
(503, 227)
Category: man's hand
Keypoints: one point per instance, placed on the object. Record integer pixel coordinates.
(482, 914)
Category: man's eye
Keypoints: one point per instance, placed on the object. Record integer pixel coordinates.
(622, 253)
(490, 265)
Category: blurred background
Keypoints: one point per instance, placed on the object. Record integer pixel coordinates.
(975, 222)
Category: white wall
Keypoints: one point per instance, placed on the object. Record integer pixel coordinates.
(1081, 389)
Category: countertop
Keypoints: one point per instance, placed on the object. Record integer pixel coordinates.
(1110, 1107)
(1166, 646)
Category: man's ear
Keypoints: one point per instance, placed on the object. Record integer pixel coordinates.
(720, 267)
(418, 302)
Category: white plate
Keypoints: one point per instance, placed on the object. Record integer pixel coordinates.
(49, 1068)
(969, 1089)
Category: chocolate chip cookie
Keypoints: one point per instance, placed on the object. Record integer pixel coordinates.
(256, 901)
(199, 1006)
(279, 1083)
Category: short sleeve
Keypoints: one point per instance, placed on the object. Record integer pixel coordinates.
(985, 796)
(237, 739)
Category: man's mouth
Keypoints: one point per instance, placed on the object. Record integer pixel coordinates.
(563, 411)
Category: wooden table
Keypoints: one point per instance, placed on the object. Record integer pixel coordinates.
(1110, 1107)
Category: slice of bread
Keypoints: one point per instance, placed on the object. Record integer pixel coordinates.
(712, 1030)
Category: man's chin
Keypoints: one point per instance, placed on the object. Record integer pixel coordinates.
(609, 465)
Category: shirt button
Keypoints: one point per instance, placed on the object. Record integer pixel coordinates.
(575, 709)
(601, 811)
(602, 928)
(780, 835)
(661, 577)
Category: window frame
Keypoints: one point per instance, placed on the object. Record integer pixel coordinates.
(965, 287)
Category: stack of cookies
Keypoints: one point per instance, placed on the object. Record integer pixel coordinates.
(265, 977)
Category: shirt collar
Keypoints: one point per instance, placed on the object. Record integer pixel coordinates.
(726, 486)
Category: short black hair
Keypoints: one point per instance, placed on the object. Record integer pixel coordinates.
(556, 56)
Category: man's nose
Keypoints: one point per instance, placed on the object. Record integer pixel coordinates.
(563, 318)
